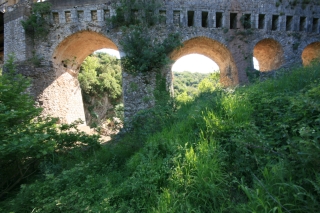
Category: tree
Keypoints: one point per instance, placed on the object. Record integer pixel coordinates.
(26, 137)
(210, 83)
(100, 75)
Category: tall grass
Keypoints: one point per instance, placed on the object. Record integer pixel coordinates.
(254, 149)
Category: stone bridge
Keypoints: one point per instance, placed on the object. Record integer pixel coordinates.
(279, 34)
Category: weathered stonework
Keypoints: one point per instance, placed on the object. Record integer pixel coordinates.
(15, 39)
(228, 32)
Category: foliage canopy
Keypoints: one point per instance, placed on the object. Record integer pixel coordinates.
(100, 77)
(100, 74)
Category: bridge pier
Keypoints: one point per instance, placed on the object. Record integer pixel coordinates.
(59, 95)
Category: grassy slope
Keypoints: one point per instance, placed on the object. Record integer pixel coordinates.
(255, 149)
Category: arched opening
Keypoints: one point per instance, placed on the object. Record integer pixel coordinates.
(216, 52)
(100, 79)
(78, 46)
(63, 97)
(311, 53)
(193, 74)
(269, 54)
(255, 64)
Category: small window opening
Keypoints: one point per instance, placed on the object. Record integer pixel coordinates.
(233, 20)
(94, 15)
(218, 20)
(56, 18)
(149, 16)
(302, 24)
(68, 16)
(261, 21)
(315, 25)
(289, 23)
(135, 15)
(176, 18)
(204, 19)
(275, 22)
(106, 14)
(190, 18)
(163, 17)
(246, 21)
(80, 15)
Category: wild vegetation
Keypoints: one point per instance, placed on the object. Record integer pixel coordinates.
(188, 85)
(247, 149)
(250, 149)
(187, 82)
(100, 77)
(151, 59)
(37, 24)
(100, 74)
(28, 141)
(135, 18)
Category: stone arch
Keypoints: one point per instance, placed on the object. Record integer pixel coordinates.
(214, 50)
(310, 53)
(269, 54)
(62, 96)
(72, 51)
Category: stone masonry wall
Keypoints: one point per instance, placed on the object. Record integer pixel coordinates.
(15, 39)
(227, 31)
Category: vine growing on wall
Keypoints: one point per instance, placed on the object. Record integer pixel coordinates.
(37, 24)
(144, 54)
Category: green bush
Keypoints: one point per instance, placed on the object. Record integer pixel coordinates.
(184, 98)
(144, 54)
(210, 83)
(37, 24)
(26, 137)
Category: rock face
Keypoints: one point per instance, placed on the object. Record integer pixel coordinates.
(228, 32)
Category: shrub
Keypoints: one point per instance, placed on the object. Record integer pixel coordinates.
(26, 137)
(144, 54)
(210, 83)
(37, 24)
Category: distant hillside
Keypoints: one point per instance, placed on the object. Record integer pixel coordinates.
(187, 82)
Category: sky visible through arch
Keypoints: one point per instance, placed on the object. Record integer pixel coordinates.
(192, 63)
(195, 63)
